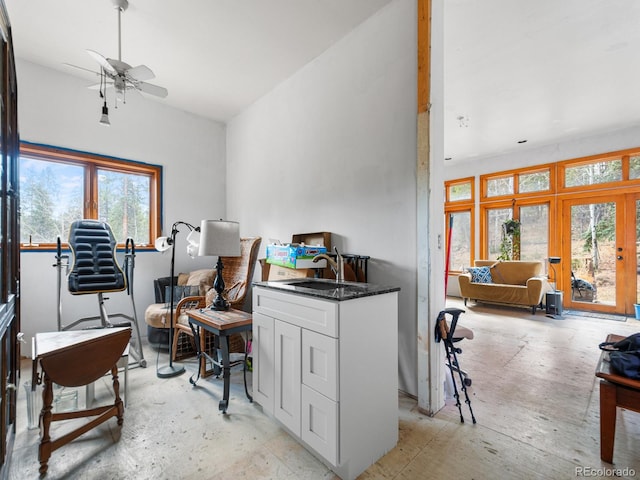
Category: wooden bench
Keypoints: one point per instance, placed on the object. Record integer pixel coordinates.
(615, 391)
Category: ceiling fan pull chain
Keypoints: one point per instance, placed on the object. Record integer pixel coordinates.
(119, 35)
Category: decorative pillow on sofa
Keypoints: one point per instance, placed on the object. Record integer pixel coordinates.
(203, 278)
(480, 274)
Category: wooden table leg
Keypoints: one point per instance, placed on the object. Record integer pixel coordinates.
(607, 420)
(116, 390)
(44, 450)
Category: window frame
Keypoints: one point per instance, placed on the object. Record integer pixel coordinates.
(460, 181)
(472, 232)
(460, 206)
(515, 175)
(91, 163)
(623, 155)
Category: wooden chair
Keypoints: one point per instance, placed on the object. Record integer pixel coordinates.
(237, 274)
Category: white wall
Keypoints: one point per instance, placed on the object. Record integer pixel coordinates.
(577, 147)
(56, 109)
(333, 148)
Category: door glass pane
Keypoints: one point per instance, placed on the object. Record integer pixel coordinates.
(534, 232)
(51, 198)
(460, 241)
(123, 202)
(593, 253)
(495, 218)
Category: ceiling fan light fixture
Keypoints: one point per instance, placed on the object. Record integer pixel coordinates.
(104, 119)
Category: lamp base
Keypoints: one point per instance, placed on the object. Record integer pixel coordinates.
(220, 304)
(169, 371)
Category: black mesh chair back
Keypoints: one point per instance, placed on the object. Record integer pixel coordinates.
(94, 267)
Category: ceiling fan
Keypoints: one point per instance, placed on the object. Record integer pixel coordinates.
(120, 75)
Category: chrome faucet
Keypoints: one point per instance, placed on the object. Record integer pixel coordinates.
(337, 265)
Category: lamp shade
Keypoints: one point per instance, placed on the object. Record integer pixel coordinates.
(219, 238)
(193, 244)
(163, 243)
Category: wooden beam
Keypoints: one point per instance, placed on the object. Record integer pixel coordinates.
(424, 51)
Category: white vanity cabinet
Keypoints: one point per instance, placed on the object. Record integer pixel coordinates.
(327, 371)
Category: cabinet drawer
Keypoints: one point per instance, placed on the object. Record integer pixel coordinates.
(320, 424)
(307, 312)
(320, 363)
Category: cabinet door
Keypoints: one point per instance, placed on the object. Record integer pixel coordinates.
(320, 363)
(320, 424)
(287, 375)
(263, 361)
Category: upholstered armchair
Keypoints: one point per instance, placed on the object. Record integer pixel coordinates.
(157, 315)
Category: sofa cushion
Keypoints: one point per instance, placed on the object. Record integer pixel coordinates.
(512, 272)
(480, 274)
(157, 315)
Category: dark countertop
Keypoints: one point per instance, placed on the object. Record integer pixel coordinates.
(346, 290)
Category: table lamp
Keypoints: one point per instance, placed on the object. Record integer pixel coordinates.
(221, 238)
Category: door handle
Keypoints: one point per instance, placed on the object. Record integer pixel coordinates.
(619, 257)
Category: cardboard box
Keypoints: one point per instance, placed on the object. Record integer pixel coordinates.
(317, 238)
(295, 256)
(277, 272)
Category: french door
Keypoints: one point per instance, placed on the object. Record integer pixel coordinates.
(599, 265)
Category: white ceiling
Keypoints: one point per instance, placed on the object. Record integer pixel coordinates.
(215, 57)
(515, 70)
(540, 71)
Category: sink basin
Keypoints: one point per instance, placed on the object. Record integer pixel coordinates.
(327, 285)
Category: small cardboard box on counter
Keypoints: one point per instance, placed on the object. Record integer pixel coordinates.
(276, 272)
(295, 256)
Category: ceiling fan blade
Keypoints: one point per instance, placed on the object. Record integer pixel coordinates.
(81, 68)
(140, 73)
(153, 89)
(97, 86)
(102, 62)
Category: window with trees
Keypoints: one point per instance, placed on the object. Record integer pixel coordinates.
(459, 214)
(500, 242)
(531, 181)
(59, 186)
(498, 186)
(538, 181)
(460, 190)
(534, 231)
(593, 173)
(634, 167)
(461, 253)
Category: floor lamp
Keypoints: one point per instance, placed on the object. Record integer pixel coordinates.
(220, 238)
(553, 299)
(162, 244)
